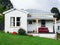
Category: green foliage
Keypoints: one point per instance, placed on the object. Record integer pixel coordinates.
(1, 15)
(1, 8)
(1, 19)
(54, 10)
(5, 5)
(9, 39)
(21, 32)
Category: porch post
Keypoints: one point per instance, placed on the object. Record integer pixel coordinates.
(37, 24)
(55, 25)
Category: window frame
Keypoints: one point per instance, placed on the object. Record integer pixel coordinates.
(18, 21)
(13, 22)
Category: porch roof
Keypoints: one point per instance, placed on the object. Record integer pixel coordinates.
(41, 16)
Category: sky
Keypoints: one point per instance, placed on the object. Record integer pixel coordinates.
(59, 0)
(45, 5)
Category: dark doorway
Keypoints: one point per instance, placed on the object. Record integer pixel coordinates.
(43, 22)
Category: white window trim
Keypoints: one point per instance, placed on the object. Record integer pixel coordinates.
(18, 21)
(15, 22)
(11, 25)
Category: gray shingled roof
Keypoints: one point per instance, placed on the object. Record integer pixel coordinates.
(35, 11)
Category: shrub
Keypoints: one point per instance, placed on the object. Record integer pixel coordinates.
(21, 32)
(7, 31)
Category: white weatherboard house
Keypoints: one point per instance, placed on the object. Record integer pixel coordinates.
(58, 26)
(35, 22)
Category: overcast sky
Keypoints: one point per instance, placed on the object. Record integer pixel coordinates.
(45, 5)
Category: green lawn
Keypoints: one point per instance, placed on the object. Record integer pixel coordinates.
(9, 39)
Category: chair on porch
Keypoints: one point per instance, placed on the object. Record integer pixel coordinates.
(43, 30)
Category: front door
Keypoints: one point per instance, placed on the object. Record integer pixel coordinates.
(43, 22)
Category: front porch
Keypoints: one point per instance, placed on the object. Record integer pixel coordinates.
(41, 26)
(46, 35)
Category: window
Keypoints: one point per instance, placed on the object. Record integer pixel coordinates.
(15, 21)
(43, 23)
(18, 21)
(12, 21)
(58, 27)
(34, 21)
(30, 22)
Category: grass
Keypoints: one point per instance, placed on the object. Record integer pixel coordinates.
(9, 39)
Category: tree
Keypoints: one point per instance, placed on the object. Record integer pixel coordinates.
(56, 11)
(1, 8)
(5, 5)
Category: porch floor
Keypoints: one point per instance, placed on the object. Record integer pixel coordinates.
(46, 35)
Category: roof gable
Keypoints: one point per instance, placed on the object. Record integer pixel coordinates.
(14, 10)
